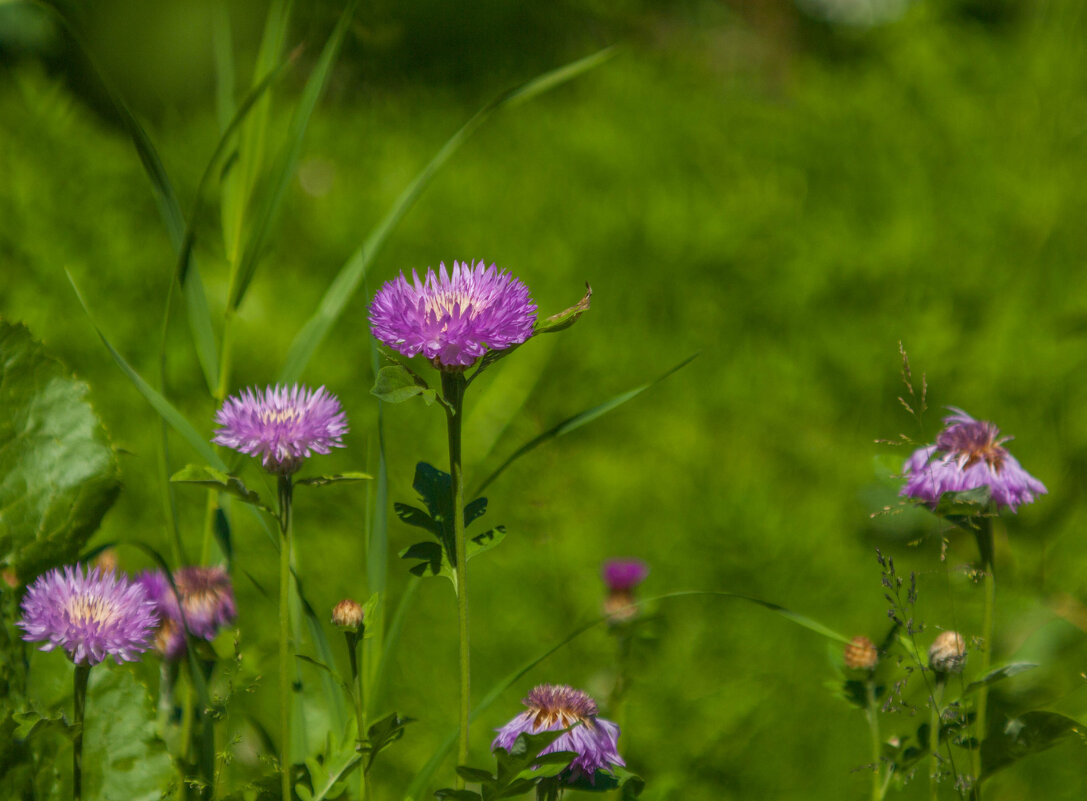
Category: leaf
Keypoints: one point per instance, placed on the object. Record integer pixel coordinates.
(328, 777)
(418, 518)
(382, 734)
(578, 420)
(58, 471)
(396, 384)
(999, 675)
(309, 660)
(350, 276)
(962, 508)
(205, 476)
(485, 541)
(477, 775)
(457, 795)
(320, 481)
(1026, 734)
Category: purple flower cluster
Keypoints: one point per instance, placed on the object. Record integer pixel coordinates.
(552, 707)
(282, 425)
(623, 575)
(90, 615)
(969, 454)
(206, 597)
(453, 318)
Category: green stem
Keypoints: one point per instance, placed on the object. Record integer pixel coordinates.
(984, 536)
(285, 493)
(934, 736)
(453, 386)
(358, 682)
(82, 673)
(872, 713)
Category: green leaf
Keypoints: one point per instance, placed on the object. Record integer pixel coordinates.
(396, 384)
(477, 775)
(382, 734)
(327, 778)
(320, 481)
(578, 420)
(457, 795)
(347, 281)
(485, 541)
(1026, 734)
(999, 675)
(58, 472)
(962, 508)
(205, 476)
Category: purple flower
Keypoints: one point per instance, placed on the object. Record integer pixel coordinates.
(552, 707)
(282, 425)
(623, 574)
(453, 319)
(90, 616)
(969, 454)
(207, 598)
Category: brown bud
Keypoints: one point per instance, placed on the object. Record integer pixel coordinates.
(347, 614)
(948, 653)
(861, 654)
(107, 561)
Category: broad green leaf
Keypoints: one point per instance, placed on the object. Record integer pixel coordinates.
(209, 477)
(165, 409)
(396, 384)
(350, 276)
(999, 675)
(578, 420)
(58, 471)
(320, 481)
(1026, 734)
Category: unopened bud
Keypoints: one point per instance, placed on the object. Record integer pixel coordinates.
(861, 654)
(948, 653)
(347, 614)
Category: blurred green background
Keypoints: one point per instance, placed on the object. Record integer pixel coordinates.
(788, 189)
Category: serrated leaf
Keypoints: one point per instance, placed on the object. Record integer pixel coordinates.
(320, 481)
(999, 675)
(58, 472)
(1026, 734)
(396, 384)
(418, 518)
(485, 541)
(205, 476)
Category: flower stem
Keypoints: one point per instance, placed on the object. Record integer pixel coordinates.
(453, 386)
(934, 736)
(285, 493)
(984, 536)
(872, 712)
(82, 673)
(357, 657)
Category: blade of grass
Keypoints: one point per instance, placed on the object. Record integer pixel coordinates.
(419, 783)
(222, 45)
(347, 281)
(577, 421)
(390, 644)
(165, 409)
(254, 246)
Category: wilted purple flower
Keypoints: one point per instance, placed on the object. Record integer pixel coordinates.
(552, 707)
(207, 598)
(453, 319)
(91, 616)
(969, 454)
(282, 425)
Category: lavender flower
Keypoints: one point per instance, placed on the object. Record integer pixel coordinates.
(453, 319)
(968, 454)
(283, 425)
(206, 596)
(91, 616)
(552, 707)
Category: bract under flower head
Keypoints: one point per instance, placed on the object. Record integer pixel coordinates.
(552, 707)
(207, 598)
(455, 317)
(282, 425)
(969, 454)
(91, 616)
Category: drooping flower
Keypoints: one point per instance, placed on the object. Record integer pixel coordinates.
(453, 318)
(90, 615)
(621, 576)
(207, 598)
(969, 454)
(552, 707)
(282, 425)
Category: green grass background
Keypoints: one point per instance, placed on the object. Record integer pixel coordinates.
(787, 198)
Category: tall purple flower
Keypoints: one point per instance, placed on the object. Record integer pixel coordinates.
(969, 454)
(453, 319)
(207, 598)
(551, 707)
(282, 425)
(91, 616)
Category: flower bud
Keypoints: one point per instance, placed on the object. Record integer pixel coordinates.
(347, 614)
(861, 654)
(948, 653)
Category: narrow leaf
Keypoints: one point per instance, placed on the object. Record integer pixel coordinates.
(999, 675)
(217, 479)
(1026, 734)
(320, 481)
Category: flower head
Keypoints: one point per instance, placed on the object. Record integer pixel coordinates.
(969, 454)
(453, 318)
(552, 707)
(624, 574)
(947, 654)
(861, 654)
(282, 425)
(348, 615)
(206, 596)
(91, 616)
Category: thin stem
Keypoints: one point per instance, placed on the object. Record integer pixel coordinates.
(984, 536)
(285, 493)
(357, 655)
(453, 386)
(934, 736)
(82, 673)
(872, 712)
